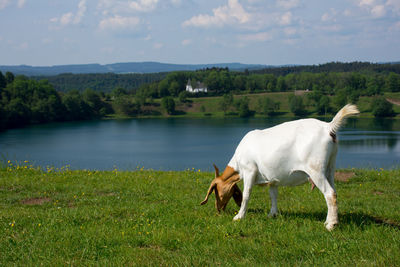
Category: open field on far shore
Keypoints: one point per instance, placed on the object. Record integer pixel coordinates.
(56, 217)
(210, 107)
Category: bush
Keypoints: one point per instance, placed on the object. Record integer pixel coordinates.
(267, 106)
(243, 108)
(297, 105)
(168, 104)
(382, 108)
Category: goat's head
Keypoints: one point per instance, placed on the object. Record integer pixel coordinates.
(224, 187)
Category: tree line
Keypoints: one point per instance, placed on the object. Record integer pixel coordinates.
(24, 100)
(349, 85)
(100, 82)
(106, 82)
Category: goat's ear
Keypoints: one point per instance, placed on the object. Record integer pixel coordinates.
(237, 195)
(212, 187)
(216, 171)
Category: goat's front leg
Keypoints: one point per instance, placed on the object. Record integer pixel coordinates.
(273, 193)
(248, 181)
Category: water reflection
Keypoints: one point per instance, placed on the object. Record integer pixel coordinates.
(369, 140)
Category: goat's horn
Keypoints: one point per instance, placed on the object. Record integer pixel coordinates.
(216, 171)
(213, 184)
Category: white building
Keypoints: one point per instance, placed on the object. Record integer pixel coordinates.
(200, 87)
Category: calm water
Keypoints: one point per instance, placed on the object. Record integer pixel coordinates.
(178, 144)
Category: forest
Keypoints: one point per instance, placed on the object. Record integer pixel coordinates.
(70, 97)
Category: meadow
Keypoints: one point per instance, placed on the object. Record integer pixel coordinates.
(55, 217)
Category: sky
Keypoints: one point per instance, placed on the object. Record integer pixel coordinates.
(270, 32)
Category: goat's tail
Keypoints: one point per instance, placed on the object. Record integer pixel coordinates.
(340, 118)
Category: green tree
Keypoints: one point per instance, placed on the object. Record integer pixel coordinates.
(281, 85)
(9, 77)
(183, 96)
(225, 81)
(2, 81)
(270, 82)
(375, 84)
(243, 107)
(256, 82)
(323, 105)
(297, 105)
(226, 102)
(18, 113)
(93, 99)
(168, 104)
(393, 82)
(267, 106)
(124, 105)
(119, 91)
(382, 108)
(76, 108)
(174, 88)
(213, 83)
(239, 82)
(341, 98)
(163, 88)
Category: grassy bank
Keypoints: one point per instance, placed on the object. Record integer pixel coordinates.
(62, 217)
(210, 107)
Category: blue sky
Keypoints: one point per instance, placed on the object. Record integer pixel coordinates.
(273, 32)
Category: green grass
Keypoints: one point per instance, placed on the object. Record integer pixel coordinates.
(212, 108)
(139, 218)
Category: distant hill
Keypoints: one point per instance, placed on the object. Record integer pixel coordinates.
(118, 68)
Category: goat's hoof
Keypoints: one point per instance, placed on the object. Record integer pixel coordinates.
(237, 218)
(272, 214)
(330, 225)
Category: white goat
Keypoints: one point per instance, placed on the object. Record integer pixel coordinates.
(283, 155)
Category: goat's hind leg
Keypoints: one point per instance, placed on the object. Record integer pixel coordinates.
(322, 183)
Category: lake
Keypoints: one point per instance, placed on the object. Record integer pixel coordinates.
(179, 143)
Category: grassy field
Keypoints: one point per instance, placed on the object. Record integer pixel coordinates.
(139, 218)
(211, 105)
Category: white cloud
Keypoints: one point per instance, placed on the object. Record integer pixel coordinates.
(287, 4)
(23, 46)
(4, 3)
(395, 27)
(329, 16)
(378, 11)
(290, 31)
(71, 18)
(285, 19)
(21, 3)
(81, 12)
(232, 13)
(176, 2)
(66, 18)
(158, 45)
(347, 13)
(186, 42)
(394, 5)
(119, 23)
(143, 5)
(257, 37)
(47, 40)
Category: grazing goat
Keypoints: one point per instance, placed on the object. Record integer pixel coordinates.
(284, 155)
